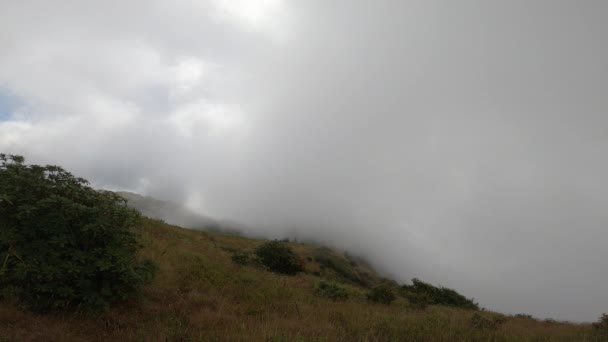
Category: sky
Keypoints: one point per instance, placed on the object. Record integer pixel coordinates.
(8, 104)
(463, 143)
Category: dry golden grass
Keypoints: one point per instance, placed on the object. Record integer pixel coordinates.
(199, 294)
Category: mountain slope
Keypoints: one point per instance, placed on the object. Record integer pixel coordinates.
(169, 212)
(177, 214)
(200, 294)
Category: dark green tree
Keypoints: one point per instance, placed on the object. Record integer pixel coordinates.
(62, 243)
(422, 294)
(601, 327)
(279, 258)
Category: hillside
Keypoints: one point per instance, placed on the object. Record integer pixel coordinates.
(176, 214)
(169, 212)
(201, 294)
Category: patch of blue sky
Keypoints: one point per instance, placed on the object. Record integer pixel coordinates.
(8, 105)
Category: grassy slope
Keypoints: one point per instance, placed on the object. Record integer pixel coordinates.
(199, 294)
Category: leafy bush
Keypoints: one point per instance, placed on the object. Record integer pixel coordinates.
(279, 258)
(331, 290)
(241, 258)
(601, 326)
(524, 316)
(419, 301)
(381, 294)
(62, 243)
(422, 294)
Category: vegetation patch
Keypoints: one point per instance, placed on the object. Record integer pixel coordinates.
(342, 268)
(601, 326)
(62, 243)
(382, 293)
(331, 290)
(198, 296)
(422, 294)
(241, 258)
(524, 316)
(279, 258)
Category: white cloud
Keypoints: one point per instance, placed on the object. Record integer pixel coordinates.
(209, 119)
(11, 133)
(259, 15)
(186, 75)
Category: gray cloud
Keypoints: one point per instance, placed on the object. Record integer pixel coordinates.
(456, 142)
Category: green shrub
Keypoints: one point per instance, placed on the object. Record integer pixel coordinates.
(278, 257)
(381, 294)
(331, 290)
(62, 243)
(419, 301)
(422, 294)
(524, 316)
(241, 258)
(601, 326)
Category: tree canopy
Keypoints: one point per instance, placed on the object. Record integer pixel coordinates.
(422, 293)
(64, 244)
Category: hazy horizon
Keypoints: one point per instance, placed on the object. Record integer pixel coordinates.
(456, 142)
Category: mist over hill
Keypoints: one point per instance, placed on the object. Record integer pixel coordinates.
(167, 211)
(111, 274)
(177, 214)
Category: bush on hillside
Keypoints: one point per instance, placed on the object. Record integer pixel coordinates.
(524, 316)
(331, 290)
(62, 243)
(419, 301)
(241, 258)
(420, 292)
(279, 258)
(382, 293)
(601, 326)
(342, 267)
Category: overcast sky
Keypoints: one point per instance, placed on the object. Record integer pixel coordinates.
(460, 142)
